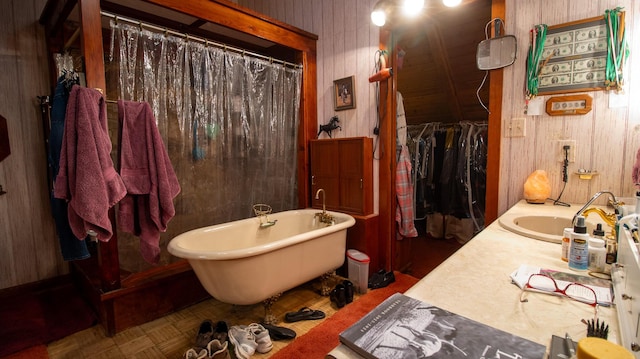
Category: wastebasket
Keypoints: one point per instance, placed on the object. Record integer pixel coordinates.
(358, 270)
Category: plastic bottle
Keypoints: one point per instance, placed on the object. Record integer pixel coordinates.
(566, 242)
(597, 255)
(579, 248)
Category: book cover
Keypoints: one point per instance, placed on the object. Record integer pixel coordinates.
(404, 327)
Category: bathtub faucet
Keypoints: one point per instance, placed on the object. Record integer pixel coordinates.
(261, 211)
(324, 216)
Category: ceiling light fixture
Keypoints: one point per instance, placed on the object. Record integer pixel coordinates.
(384, 8)
(412, 7)
(451, 3)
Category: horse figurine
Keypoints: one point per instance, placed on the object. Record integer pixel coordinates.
(332, 125)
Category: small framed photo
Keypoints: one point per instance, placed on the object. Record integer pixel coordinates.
(344, 94)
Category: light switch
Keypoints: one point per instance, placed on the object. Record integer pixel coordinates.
(516, 128)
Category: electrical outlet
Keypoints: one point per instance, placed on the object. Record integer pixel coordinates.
(560, 150)
(517, 127)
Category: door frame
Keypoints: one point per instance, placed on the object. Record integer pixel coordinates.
(387, 138)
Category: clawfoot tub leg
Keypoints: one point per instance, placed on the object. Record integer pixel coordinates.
(325, 282)
(269, 318)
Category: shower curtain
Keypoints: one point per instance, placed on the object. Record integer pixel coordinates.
(229, 121)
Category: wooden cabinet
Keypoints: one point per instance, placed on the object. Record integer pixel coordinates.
(343, 167)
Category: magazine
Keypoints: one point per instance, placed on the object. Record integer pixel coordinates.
(602, 287)
(404, 327)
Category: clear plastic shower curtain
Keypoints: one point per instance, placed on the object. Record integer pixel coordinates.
(229, 121)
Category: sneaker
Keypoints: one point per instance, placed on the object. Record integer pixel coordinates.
(205, 334)
(218, 350)
(243, 341)
(262, 338)
(195, 353)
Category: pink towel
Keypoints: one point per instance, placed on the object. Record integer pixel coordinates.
(87, 178)
(149, 177)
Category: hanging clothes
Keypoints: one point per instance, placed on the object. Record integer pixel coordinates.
(147, 173)
(71, 247)
(449, 171)
(404, 187)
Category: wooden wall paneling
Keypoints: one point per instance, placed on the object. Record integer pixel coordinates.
(597, 133)
(350, 68)
(12, 170)
(29, 246)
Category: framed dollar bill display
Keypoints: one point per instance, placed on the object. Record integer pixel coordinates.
(574, 57)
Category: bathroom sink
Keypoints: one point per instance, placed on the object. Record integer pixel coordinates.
(547, 228)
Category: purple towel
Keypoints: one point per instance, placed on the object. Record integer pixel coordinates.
(148, 175)
(87, 178)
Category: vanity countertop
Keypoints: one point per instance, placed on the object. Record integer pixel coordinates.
(475, 283)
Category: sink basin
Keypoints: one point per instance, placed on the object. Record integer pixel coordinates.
(546, 228)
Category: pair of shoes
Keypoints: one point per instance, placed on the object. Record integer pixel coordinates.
(342, 294)
(381, 279)
(279, 333)
(304, 313)
(214, 350)
(205, 334)
(247, 339)
(221, 331)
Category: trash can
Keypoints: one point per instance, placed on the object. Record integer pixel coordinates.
(358, 270)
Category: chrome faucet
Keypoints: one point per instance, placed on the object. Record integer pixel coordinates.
(584, 209)
(262, 211)
(324, 216)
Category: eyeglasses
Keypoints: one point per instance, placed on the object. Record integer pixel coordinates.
(575, 291)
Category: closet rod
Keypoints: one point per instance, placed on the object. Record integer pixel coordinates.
(202, 40)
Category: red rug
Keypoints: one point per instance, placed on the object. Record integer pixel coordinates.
(320, 340)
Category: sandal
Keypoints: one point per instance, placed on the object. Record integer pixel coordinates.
(279, 333)
(304, 314)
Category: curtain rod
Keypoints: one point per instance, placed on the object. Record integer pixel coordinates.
(202, 40)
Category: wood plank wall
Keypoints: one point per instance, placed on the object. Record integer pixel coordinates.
(346, 47)
(28, 245)
(606, 138)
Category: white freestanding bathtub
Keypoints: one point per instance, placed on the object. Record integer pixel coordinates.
(244, 263)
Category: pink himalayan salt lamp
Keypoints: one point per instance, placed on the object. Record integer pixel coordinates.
(537, 188)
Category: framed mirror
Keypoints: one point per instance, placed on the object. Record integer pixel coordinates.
(496, 53)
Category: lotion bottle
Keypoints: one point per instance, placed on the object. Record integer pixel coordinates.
(579, 247)
(566, 243)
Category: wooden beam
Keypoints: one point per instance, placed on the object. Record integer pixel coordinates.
(495, 132)
(232, 16)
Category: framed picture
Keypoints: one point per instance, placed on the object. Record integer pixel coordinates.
(344, 94)
(575, 57)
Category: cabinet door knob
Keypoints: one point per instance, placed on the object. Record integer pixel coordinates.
(313, 180)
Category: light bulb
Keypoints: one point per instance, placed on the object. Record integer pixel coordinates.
(378, 17)
(412, 7)
(451, 3)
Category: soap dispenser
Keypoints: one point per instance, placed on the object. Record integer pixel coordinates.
(579, 248)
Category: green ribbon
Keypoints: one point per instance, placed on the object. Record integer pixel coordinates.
(538, 35)
(617, 48)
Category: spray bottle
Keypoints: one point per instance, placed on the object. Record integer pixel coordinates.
(579, 247)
